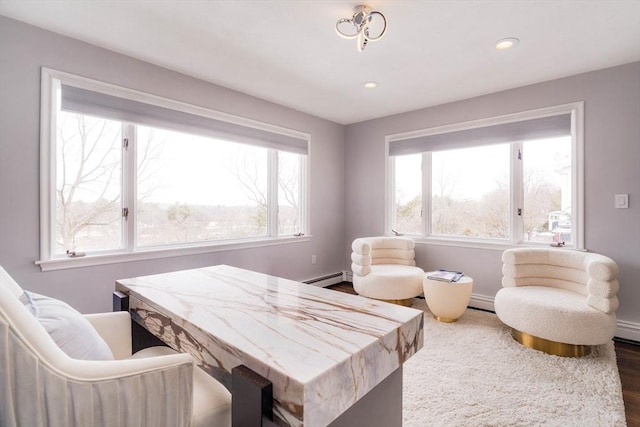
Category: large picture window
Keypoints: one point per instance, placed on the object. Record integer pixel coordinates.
(509, 180)
(130, 173)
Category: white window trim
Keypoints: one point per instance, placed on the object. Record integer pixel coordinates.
(48, 167)
(577, 130)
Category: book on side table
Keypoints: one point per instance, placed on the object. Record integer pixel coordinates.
(445, 275)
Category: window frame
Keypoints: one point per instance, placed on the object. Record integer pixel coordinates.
(575, 109)
(50, 79)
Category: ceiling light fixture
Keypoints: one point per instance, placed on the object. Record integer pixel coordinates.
(370, 85)
(506, 43)
(362, 20)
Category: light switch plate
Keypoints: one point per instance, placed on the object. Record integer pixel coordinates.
(622, 201)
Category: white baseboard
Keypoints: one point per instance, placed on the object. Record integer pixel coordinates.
(628, 330)
(481, 301)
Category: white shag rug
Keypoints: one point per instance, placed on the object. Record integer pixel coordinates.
(473, 373)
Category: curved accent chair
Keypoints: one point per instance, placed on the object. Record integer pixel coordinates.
(384, 268)
(41, 385)
(558, 301)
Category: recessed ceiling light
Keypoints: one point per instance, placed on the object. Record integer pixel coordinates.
(370, 85)
(507, 43)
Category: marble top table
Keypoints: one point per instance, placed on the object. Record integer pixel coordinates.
(323, 350)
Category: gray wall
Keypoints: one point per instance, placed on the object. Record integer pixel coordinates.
(23, 50)
(612, 165)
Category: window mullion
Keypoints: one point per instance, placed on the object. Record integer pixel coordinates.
(517, 193)
(426, 194)
(129, 186)
(272, 193)
(303, 191)
(392, 208)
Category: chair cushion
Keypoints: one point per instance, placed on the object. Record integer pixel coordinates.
(67, 327)
(390, 282)
(554, 314)
(211, 400)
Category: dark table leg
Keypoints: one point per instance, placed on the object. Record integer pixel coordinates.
(252, 399)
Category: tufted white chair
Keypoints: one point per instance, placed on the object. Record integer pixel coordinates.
(41, 385)
(558, 301)
(384, 268)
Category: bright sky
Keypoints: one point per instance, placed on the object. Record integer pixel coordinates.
(190, 165)
(477, 170)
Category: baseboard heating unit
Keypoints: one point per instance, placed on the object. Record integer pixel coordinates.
(330, 279)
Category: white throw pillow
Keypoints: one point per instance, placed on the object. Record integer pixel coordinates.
(67, 327)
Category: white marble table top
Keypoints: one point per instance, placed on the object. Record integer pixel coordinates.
(322, 349)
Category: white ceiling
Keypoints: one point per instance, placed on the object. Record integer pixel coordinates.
(288, 52)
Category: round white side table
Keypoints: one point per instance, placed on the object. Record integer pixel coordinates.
(447, 300)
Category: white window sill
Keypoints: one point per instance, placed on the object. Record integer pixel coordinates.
(157, 253)
(484, 244)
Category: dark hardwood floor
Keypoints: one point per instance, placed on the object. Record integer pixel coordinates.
(628, 357)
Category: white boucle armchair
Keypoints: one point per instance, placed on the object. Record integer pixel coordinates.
(41, 385)
(558, 301)
(384, 268)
